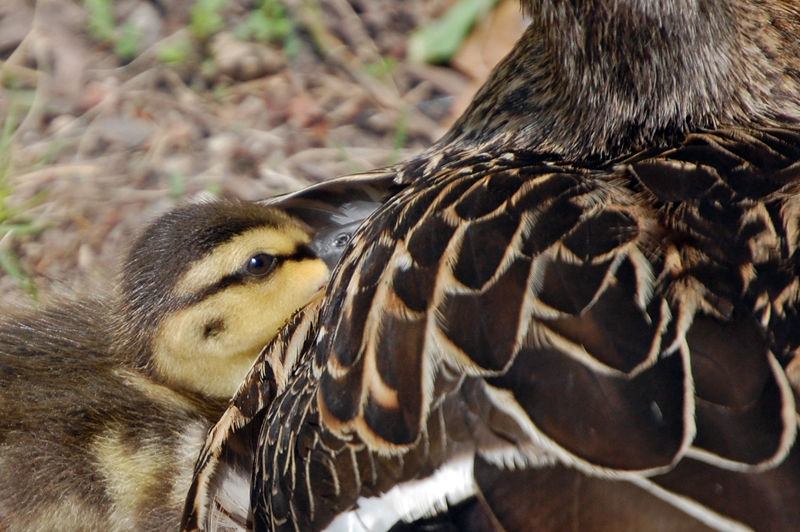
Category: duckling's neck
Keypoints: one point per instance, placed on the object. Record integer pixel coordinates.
(131, 337)
(591, 77)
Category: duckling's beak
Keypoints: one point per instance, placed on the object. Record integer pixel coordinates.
(329, 243)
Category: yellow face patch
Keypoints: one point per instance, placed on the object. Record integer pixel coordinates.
(209, 347)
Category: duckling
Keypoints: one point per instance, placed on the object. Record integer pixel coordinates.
(105, 400)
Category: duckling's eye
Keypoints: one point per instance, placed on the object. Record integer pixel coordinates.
(260, 264)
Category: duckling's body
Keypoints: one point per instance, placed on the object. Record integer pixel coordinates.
(89, 442)
(105, 401)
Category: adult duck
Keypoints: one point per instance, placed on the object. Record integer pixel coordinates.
(577, 311)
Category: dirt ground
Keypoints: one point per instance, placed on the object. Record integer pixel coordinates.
(101, 134)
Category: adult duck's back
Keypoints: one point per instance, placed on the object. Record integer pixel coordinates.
(580, 312)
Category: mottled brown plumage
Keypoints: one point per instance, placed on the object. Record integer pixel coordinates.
(587, 292)
(590, 80)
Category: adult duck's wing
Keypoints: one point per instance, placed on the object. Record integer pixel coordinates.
(344, 200)
(590, 347)
(557, 347)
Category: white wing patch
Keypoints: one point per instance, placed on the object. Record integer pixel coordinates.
(410, 501)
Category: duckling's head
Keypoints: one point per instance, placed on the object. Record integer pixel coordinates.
(207, 285)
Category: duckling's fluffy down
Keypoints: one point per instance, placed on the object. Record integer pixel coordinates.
(88, 441)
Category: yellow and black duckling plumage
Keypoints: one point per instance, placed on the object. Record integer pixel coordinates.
(105, 401)
(578, 311)
(212, 319)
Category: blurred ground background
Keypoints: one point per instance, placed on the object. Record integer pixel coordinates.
(114, 111)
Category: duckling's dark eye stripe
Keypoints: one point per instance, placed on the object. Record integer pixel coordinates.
(301, 253)
(238, 278)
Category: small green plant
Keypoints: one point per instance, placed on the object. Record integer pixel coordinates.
(206, 18)
(101, 23)
(381, 68)
(268, 24)
(9, 125)
(175, 52)
(50, 154)
(103, 28)
(177, 185)
(127, 42)
(11, 219)
(215, 189)
(13, 266)
(438, 41)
